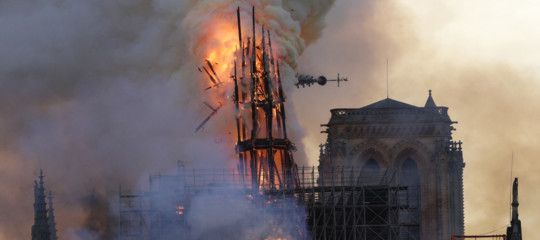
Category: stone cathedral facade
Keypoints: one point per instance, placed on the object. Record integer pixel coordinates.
(416, 144)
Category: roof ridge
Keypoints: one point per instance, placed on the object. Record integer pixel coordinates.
(388, 103)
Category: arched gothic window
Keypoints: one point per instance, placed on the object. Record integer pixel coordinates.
(410, 178)
(371, 173)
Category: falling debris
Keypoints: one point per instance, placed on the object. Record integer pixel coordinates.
(214, 111)
(212, 76)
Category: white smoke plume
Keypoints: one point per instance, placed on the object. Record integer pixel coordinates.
(228, 214)
(100, 93)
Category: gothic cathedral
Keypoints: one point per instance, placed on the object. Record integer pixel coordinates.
(415, 143)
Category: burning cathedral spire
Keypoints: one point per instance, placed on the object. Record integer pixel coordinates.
(254, 71)
(263, 148)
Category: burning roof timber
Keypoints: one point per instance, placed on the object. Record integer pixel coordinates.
(263, 148)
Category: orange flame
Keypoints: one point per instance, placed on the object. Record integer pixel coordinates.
(224, 43)
(218, 44)
(180, 210)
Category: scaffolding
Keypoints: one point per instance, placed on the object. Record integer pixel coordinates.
(341, 205)
(349, 205)
(493, 237)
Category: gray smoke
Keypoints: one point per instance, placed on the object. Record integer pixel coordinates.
(101, 93)
(491, 96)
(231, 215)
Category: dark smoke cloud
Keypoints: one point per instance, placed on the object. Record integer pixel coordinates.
(102, 93)
(95, 94)
(100, 220)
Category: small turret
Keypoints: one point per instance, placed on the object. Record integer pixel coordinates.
(430, 103)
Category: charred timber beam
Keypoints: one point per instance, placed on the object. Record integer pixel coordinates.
(214, 111)
(282, 101)
(253, 81)
(268, 88)
(264, 143)
(240, 44)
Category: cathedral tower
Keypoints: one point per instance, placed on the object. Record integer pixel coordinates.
(416, 144)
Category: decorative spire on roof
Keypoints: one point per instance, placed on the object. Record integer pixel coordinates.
(40, 230)
(52, 223)
(430, 102)
(513, 232)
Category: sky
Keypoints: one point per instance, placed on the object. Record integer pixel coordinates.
(102, 93)
(478, 57)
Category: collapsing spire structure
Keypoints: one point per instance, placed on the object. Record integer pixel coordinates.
(263, 147)
(44, 227)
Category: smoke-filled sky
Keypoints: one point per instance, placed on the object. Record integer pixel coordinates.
(481, 60)
(101, 93)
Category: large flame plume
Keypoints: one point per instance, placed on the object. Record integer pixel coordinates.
(212, 28)
(262, 144)
(217, 41)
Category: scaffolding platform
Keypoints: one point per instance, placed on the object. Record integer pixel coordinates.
(340, 205)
